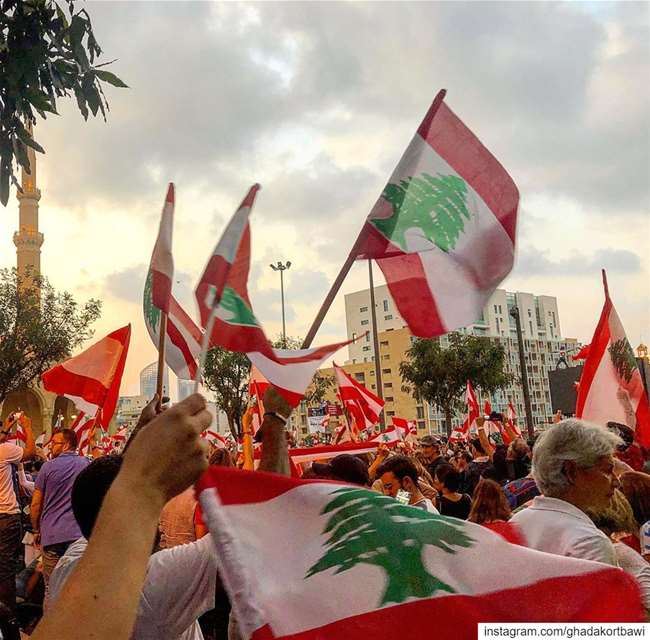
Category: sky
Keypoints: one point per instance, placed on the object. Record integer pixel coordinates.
(317, 102)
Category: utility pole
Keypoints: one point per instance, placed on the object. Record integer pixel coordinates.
(375, 342)
(282, 268)
(514, 312)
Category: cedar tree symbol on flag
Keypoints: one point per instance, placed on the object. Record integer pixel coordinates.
(182, 337)
(361, 564)
(92, 378)
(443, 230)
(611, 388)
(363, 406)
(227, 314)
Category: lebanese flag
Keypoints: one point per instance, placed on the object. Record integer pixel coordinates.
(92, 379)
(388, 435)
(511, 416)
(227, 314)
(582, 354)
(443, 230)
(19, 437)
(182, 337)
(361, 564)
(214, 438)
(610, 386)
(83, 426)
(363, 406)
(487, 408)
(325, 452)
(342, 435)
(406, 427)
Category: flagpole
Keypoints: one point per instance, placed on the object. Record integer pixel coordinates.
(161, 358)
(375, 343)
(605, 286)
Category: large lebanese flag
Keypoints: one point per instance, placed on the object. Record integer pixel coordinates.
(610, 388)
(363, 406)
(92, 379)
(182, 337)
(443, 230)
(362, 565)
(228, 318)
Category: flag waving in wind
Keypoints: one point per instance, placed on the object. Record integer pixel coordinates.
(363, 406)
(611, 388)
(92, 378)
(227, 314)
(443, 230)
(182, 337)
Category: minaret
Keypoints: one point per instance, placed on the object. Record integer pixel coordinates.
(28, 239)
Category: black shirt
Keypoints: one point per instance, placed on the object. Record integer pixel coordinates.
(432, 466)
(459, 509)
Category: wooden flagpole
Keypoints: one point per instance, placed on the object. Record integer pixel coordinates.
(605, 285)
(161, 359)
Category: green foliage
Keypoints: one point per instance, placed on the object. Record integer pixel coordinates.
(434, 205)
(439, 375)
(37, 329)
(623, 358)
(226, 374)
(369, 528)
(47, 51)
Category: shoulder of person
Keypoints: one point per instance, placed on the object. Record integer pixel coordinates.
(593, 545)
(10, 452)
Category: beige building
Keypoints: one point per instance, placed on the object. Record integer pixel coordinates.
(40, 405)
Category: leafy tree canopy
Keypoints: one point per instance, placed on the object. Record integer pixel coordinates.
(38, 328)
(439, 375)
(47, 51)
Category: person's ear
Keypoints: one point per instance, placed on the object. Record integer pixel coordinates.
(570, 469)
(408, 485)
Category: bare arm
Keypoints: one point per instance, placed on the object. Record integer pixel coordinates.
(36, 509)
(30, 444)
(275, 450)
(100, 599)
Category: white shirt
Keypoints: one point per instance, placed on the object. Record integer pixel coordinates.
(427, 505)
(9, 454)
(556, 526)
(179, 587)
(634, 564)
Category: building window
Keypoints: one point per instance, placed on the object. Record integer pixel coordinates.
(419, 412)
(500, 309)
(390, 413)
(384, 343)
(421, 425)
(388, 317)
(386, 371)
(388, 385)
(385, 305)
(389, 398)
(385, 357)
(366, 349)
(359, 377)
(364, 322)
(372, 373)
(367, 337)
(362, 309)
(530, 313)
(354, 336)
(495, 309)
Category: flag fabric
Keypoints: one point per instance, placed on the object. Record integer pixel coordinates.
(361, 564)
(83, 426)
(487, 408)
(325, 452)
(511, 416)
(214, 438)
(363, 406)
(611, 388)
(342, 434)
(406, 427)
(182, 337)
(19, 437)
(92, 378)
(443, 229)
(226, 312)
(582, 354)
(462, 433)
(388, 435)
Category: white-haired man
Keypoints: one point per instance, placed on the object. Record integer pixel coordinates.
(573, 467)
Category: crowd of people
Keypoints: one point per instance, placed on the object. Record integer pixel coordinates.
(118, 545)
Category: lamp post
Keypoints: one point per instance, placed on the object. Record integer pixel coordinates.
(282, 268)
(514, 312)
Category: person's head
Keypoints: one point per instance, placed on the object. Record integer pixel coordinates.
(573, 461)
(489, 503)
(398, 472)
(636, 488)
(625, 433)
(430, 447)
(343, 467)
(89, 489)
(476, 448)
(518, 450)
(452, 481)
(441, 472)
(461, 460)
(220, 458)
(423, 474)
(62, 441)
(618, 518)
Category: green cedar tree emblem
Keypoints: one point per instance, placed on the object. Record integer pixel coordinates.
(151, 313)
(233, 309)
(369, 528)
(623, 358)
(434, 205)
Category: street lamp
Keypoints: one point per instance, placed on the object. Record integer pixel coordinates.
(282, 268)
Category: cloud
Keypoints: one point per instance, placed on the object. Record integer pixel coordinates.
(533, 262)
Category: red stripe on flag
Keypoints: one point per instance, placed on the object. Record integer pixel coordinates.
(597, 350)
(179, 341)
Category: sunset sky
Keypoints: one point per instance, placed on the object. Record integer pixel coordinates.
(317, 101)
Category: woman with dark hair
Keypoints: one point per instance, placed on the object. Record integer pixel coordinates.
(451, 502)
(491, 509)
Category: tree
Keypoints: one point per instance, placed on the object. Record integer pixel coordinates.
(439, 375)
(369, 528)
(38, 328)
(319, 385)
(47, 51)
(226, 374)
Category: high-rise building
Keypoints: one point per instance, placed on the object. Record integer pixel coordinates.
(184, 388)
(149, 379)
(544, 350)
